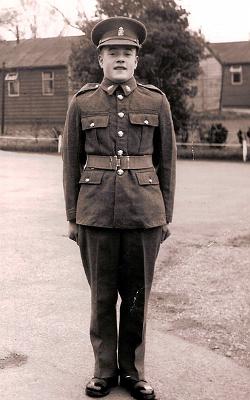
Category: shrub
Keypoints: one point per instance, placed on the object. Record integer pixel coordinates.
(217, 134)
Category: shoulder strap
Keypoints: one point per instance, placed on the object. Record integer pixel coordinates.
(151, 87)
(87, 87)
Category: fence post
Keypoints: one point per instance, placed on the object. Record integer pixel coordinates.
(244, 150)
(59, 144)
(3, 99)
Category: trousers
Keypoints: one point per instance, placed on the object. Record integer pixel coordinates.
(119, 262)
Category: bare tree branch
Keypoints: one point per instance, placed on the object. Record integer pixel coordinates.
(66, 19)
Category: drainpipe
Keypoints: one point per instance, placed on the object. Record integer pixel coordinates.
(221, 86)
(3, 99)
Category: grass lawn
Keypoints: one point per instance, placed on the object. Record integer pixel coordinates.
(202, 281)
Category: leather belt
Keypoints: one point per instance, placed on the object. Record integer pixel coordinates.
(119, 162)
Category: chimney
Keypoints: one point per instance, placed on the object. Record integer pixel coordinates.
(17, 35)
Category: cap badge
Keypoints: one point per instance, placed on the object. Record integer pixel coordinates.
(121, 31)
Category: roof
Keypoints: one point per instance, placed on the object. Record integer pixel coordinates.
(39, 52)
(231, 52)
(55, 51)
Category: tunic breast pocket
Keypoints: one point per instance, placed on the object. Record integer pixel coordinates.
(143, 126)
(95, 127)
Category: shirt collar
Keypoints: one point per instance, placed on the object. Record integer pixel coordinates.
(127, 87)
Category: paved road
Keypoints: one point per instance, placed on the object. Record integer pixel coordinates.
(44, 348)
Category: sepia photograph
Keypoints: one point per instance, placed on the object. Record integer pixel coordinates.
(125, 200)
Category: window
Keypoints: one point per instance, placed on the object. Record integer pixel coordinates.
(13, 84)
(236, 75)
(48, 83)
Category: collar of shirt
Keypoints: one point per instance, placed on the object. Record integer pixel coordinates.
(127, 87)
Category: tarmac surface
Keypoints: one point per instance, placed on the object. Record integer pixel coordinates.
(45, 353)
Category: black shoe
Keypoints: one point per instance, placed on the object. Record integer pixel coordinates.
(140, 390)
(99, 387)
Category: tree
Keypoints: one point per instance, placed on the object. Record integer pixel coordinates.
(169, 58)
(83, 60)
(9, 20)
(31, 19)
(125, 8)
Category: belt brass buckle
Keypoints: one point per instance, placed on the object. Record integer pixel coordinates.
(115, 162)
(119, 162)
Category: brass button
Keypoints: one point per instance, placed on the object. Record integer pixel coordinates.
(120, 133)
(87, 179)
(92, 124)
(97, 85)
(150, 180)
(120, 152)
(121, 114)
(120, 172)
(146, 122)
(120, 97)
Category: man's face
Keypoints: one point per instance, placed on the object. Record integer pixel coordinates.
(118, 62)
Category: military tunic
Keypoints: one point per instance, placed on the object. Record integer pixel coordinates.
(111, 119)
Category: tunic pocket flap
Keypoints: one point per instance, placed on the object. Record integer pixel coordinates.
(91, 177)
(147, 178)
(95, 121)
(144, 119)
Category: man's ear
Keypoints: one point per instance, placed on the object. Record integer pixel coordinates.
(100, 60)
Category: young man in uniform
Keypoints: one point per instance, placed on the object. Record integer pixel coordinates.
(119, 157)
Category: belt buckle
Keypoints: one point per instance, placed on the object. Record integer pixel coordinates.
(119, 162)
(115, 162)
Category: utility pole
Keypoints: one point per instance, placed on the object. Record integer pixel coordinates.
(3, 99)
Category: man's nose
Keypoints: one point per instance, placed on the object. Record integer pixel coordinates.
(120, 58)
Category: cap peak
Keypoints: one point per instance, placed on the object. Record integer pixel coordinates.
(119, 31)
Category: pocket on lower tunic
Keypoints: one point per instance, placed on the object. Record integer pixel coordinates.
(147, 178)
(91, 177)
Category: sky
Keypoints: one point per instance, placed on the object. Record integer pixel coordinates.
(218, 20)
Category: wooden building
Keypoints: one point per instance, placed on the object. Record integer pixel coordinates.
(35, 76)
(224, 82)
(235, 60)
(208, 84)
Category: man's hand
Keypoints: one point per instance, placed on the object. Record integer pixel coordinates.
(165, 232)
(73, 231)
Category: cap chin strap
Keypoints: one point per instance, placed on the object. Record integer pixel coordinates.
(135, 41)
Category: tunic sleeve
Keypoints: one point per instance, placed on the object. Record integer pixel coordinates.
(167, 157)
(73, 157)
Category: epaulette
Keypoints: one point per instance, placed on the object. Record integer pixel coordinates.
(87, 87)
(151, 87)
